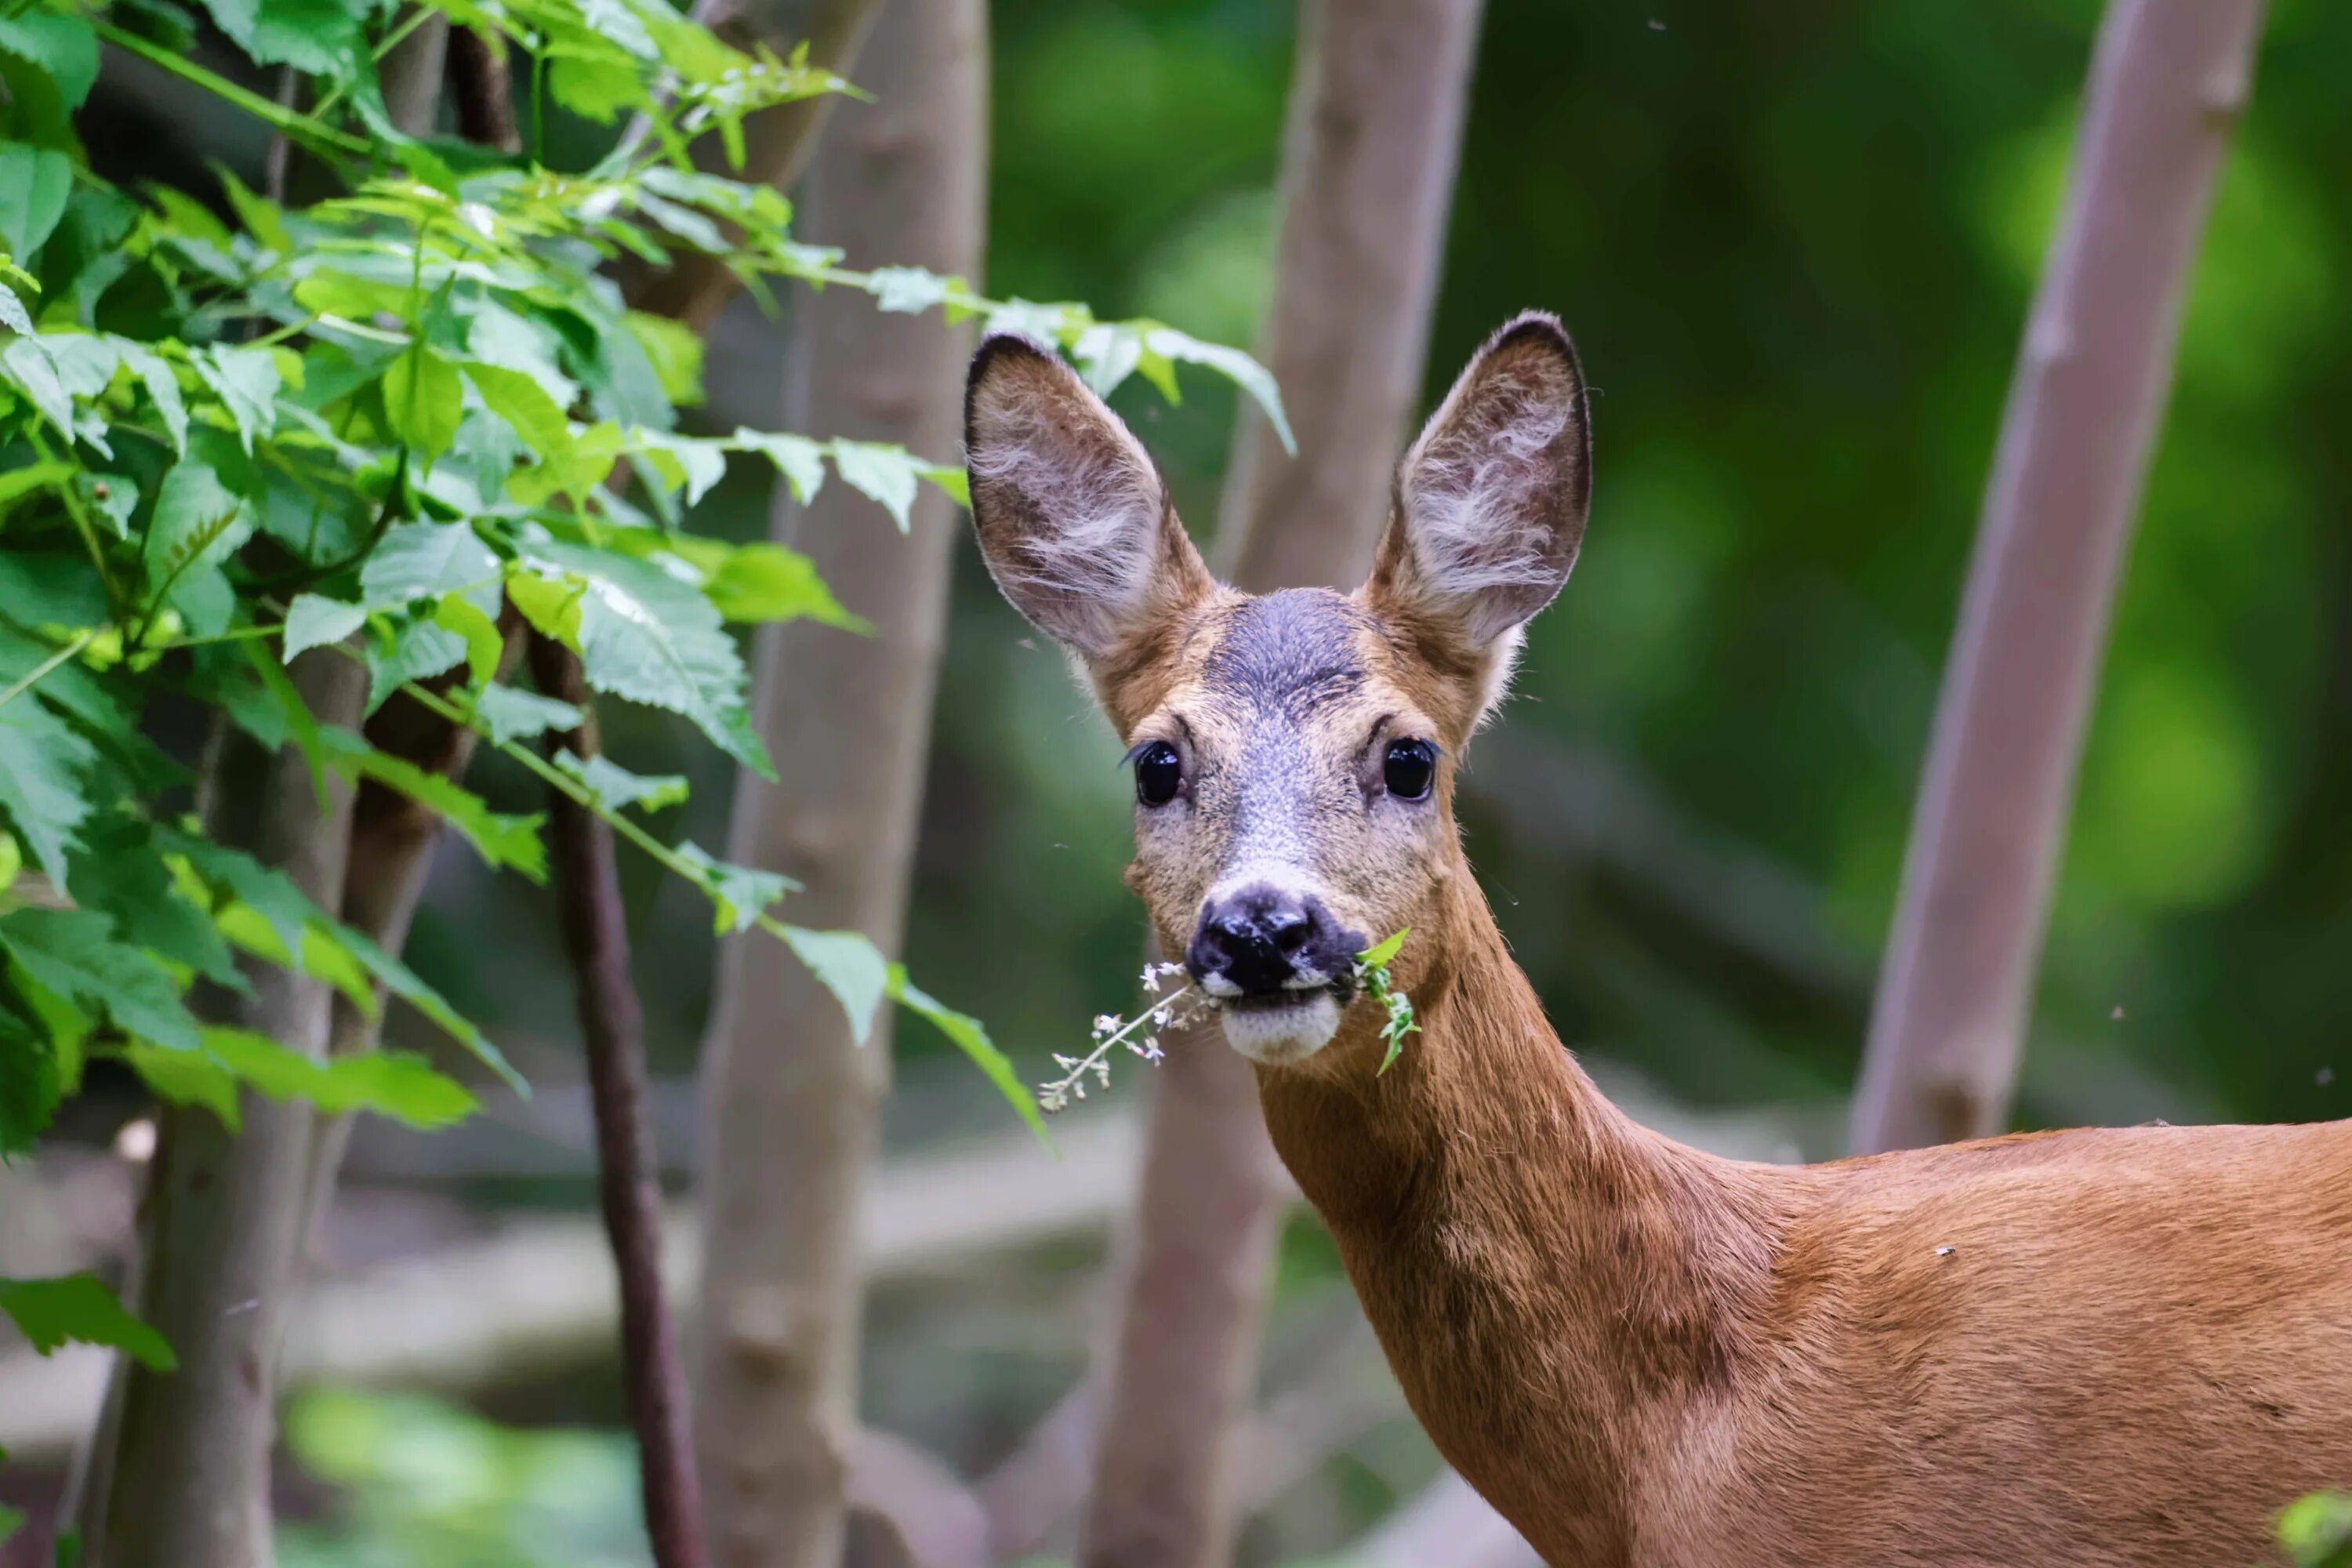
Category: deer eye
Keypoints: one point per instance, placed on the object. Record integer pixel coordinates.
(1157, 772)
(1409, 768)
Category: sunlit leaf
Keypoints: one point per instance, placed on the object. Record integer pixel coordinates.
(81, 1309)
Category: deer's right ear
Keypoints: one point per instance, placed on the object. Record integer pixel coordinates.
(1073, 522)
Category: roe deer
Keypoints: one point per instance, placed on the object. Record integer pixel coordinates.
(2125, 1346)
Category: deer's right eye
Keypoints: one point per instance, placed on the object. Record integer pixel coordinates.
(1157, 773)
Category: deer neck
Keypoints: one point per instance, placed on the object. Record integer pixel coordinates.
(1553, 1285)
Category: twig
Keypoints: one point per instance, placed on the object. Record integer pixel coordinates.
(588, 886)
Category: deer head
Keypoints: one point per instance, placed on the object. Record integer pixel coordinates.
(1294, 754)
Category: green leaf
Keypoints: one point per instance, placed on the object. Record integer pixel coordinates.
(485, 646)
(263, 218)
(501, 840)
(518, 398)
(1236, 366)
(12, 1519)
(648, 638)
(154, 373)
(397, 1085)
(246, 381)
(411, 648)
(28, 364)
(120, 872)
(187, 1078)
(884, 473)
(315, 622)
(1378, 956)
(676, 351)
(198, 523)
(32, 1080)
(798, 458)
(403, 982)
(615, 787)
(73, 953)
(42, 767)
(970, 1037)
(34, 184)
(62, 46)
(508, 713)
(739, 894)
(550, 603)
(849, 966)
(424, 398)
(906, 289)
(684, 461)
(426, 559)
(82, 1307)
(12, 311)
(763, 581)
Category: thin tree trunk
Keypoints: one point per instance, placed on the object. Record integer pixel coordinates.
(2168, 81)
(185, 1480)
(1375, 124)
(777, 143)
(792, 1099)
(595, 937)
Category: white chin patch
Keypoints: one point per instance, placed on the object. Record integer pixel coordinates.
(1281, 1034)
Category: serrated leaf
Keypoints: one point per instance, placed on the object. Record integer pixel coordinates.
(615, 787)
(649, 638)
(62, 46)
(403, 982)
(550, 603)
(12, 311)
(424, 398)
(518, 398)
(28, 364)
(501, 840)
(397, 1085)
(849, 966)
(154, 373)
(187, 1078)
(74, 953)
(764, 582)
(970, 1037)
(684, 461)
(798, 458)
(198, 523)
(508, 713)
(887, 474)
(411, 648)
(246, 381)
(43, 764)
(32, 1078)
(1235, 366)
(315, 622)
(34, 184)
(118, 871)
(906, 289)
(81, 1309)
(739, 894)
(674, 350)
(485, 646)
(426, 559)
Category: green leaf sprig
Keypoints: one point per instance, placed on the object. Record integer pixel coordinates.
(1372, 970)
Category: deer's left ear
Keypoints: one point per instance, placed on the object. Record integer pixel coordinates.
(1490, 504)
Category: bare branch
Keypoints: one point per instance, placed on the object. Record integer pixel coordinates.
(588, 887)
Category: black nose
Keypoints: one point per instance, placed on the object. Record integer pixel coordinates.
(1261, 939)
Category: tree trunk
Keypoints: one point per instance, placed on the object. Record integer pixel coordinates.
(2167, 79)
(1375, 122)
(186, 1481)
(777, 143)
(791, 1098)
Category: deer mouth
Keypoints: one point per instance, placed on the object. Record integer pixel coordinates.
(1278, 1028)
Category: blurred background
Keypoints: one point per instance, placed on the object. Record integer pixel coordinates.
(1795, 244)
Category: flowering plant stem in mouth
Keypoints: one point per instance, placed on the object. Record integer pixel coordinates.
(1372, 970)
(1183, 1005)
(1180, 1007)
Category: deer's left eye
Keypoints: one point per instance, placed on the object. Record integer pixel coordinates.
(1409, 769)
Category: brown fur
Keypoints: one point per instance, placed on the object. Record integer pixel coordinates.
(2116, 1348)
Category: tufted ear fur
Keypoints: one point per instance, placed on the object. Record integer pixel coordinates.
(1490, 505)
(1073, 522)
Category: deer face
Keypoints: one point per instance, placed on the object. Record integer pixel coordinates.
(1293, 752)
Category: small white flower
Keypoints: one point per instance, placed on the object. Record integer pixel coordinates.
(1105, 1024)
